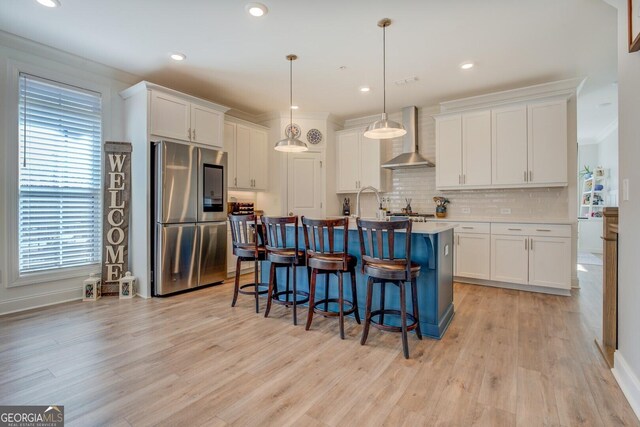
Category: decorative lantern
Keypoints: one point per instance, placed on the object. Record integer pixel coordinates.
(92, 288)
(127, 286)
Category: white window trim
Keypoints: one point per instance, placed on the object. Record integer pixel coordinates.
(11, 161)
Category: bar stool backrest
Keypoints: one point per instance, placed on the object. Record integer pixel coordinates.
(245, 232)
(377, 243)
(276, 232)
(314, 237)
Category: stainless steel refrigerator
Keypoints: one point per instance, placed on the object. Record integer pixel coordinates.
(190, 201)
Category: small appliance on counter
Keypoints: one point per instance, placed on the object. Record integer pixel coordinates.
(346, 207)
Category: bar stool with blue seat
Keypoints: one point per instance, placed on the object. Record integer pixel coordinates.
(248, 246)
(382, 266)
(282, 252)
(325, 257)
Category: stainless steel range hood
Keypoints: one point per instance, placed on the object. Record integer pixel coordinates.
(410, 158)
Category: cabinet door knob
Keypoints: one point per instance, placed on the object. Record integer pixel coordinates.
(189, 134)
(525, 176)
(194, 134)
(530, 176)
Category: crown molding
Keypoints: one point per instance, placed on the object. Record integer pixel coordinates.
(32, 48)
(564, 88)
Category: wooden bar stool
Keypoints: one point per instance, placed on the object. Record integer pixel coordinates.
(382, 266)
(283, 255)
(323, 258)
(248, 245)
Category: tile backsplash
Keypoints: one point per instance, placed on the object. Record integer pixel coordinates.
(419, 185)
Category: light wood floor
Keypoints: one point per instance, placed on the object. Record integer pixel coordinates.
(509, 358)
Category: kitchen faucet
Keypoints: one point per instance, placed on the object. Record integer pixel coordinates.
(368, 187)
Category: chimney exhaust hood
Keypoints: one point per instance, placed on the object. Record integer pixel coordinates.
(410, 158)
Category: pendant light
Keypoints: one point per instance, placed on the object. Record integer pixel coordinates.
(384, 128)
(291, 144)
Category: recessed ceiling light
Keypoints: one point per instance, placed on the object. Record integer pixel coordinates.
(467, 65)
(256, 9)
(178, 56)
(294, 107)
(342, 67)
(49, 3)
(365, 89)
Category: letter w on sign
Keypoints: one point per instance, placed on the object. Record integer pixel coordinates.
(115, 213)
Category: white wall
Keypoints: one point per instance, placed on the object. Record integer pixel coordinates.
(51, 63)
(627, 357)
(608, 159)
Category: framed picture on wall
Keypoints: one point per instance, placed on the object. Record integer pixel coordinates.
(634, 25)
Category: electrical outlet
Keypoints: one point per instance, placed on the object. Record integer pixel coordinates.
(505, 211)
(466, 210)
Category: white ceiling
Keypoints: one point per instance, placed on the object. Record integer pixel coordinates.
(239, 61)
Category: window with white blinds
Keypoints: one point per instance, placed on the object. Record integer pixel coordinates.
(59, 210)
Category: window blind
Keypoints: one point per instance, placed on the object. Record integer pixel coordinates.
(59, 209)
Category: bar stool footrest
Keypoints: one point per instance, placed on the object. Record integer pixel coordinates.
(411, 321)
(253, 286)
(280, 297)
(349, 305)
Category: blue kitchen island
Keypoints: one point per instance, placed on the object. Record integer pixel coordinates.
(432, 249)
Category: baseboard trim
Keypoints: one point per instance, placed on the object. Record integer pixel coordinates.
(514, 286)
(627, 380)
(29, 302)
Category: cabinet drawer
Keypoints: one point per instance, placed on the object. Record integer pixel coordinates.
(552, 230)
(510, 229)
(473, 227)
(549, 230)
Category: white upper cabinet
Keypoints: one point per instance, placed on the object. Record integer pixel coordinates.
(547, 142)
(206, 125)
(449, 151)
(521, 144)
(476, 148)
(172, 116)
(463, 150)
(247, 158)
(259, 159)
(509, 145)
(359, 159)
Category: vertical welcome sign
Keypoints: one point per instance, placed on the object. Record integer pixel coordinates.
(116, 202)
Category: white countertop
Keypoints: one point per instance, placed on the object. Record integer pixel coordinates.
(505, 219)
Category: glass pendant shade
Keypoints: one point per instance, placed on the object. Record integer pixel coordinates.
(384, 129)
(291, 144)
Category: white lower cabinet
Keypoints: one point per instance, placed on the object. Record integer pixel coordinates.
(534, 255)
(550, 262)
(472, 252)
(509, 259)
(529, 254)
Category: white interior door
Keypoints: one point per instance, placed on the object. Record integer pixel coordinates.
(305, 184)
